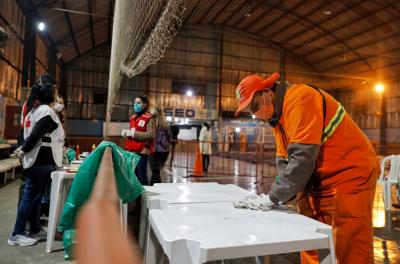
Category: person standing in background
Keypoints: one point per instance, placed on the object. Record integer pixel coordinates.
(29, 104)
(205, 145)
(161, 146)
(59, 107)
(231, 141)
(174, 132)
(140, 137)
(243, 142)
(40, 153)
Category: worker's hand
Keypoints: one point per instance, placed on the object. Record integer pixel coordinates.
(255, 202)
(263, 202)
(19, 152)
(244, 203)
(125, 132)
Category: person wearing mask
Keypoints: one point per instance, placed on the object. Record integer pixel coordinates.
(40, 153)
(58, 106)
(140, 137)
(205, 145)
(323, 157)
(29, 104)
(161, 146)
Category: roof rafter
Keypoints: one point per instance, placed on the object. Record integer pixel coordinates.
(278, 17)
(207, 11)
(110, 13)
(234, 12)
(354, 49)
(71, 31)
(89, 3)
(322, 4)
(358, 33)
(261, 17)
(220, 12)
(327, 33)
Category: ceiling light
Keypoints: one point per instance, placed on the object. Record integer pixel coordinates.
(247, 14)
(327, 12)
(189, 92)
(237, 129)
(41, 26)
(379, 87)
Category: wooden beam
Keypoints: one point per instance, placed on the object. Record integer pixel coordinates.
(327, 34)
(89, 3)
(71, 31)
(110, 14)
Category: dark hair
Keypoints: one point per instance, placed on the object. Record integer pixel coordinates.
(206, 125)
(45, 95)
(145, 100)
(34, 95)
(46, 79)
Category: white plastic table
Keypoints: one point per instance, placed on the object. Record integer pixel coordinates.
(162, 194)
(197, 233)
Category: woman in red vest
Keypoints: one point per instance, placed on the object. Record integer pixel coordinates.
(140, 137)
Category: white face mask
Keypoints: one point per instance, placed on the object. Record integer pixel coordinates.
(58, 107)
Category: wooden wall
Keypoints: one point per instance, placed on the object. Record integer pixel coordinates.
(211, 63)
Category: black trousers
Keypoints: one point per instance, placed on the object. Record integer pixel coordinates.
(157, 161)
(206, 162)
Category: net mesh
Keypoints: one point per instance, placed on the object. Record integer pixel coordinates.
(142, 30)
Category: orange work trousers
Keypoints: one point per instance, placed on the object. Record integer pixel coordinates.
(350, 215)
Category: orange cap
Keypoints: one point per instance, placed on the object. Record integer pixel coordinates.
(249, 86)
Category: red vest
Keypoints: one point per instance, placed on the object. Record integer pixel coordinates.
(140, 124)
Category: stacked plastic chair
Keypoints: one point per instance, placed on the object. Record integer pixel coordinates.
(392, 178)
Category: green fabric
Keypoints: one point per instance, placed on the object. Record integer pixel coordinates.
(71, 154)
(129, 188)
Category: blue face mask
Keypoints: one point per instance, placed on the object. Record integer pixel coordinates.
(137, 107)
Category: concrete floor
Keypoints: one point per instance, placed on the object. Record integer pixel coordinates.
(386, 243)
(19, 255)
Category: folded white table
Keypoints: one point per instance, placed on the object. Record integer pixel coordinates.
(162, 194)
(201, 232)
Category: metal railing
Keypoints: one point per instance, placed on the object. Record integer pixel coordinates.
(241, 159)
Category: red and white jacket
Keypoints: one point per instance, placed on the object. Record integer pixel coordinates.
(140, 124)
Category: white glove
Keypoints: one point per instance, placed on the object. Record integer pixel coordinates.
(263, 202)
(255, 202)
(244, 203)
(125, 132)
(19, 152)
(131, 132)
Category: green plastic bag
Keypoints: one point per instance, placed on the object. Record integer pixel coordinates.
(129, 188)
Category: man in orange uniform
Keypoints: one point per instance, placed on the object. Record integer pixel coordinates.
(323, 157)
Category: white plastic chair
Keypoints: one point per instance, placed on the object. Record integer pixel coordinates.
(392, 178)
(60, 185)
